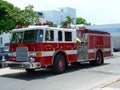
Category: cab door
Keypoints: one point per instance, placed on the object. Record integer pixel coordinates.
(48, 46)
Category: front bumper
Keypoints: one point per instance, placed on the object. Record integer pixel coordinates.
(22, 65)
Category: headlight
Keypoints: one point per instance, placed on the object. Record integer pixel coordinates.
(31, 59)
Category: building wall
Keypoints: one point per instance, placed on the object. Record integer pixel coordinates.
(115, 41)
(52, 15)
(58, 16)
(68, 11)
(112, 28)
(4, 38)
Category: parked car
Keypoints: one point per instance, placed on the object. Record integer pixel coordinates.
(4, 50)
(116, 49)
(7, 44)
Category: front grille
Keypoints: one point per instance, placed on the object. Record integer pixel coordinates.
(21, 54)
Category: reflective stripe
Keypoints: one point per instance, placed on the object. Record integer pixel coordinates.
(91, 50)
(94, 50)
(47, 53)
(50, 53)
(71, 51)
(107, 49)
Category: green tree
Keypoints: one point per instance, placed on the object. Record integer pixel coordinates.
(11, 16)
(6, 20)
(29, 16)
(81, 20)
(67, 22)
(64, 24)
(25, 17)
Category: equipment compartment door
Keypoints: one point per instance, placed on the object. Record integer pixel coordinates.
(82, 50)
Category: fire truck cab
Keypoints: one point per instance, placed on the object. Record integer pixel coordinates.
(42, 46)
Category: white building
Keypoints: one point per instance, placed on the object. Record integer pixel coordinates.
(4, 38)
(114, 29)
(51, 15)
(58, 16)
(68, 11)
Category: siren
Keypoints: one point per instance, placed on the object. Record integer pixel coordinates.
(43, 24)
(18, 26)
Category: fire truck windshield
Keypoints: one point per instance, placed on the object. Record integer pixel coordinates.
(16, 37)
(28, 36)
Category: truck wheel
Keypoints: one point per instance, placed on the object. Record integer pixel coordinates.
(59, 64)
(30, 70)
(99, 59)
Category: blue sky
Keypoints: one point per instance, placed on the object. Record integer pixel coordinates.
(94, 11)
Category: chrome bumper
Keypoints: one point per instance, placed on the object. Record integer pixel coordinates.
(22, 65)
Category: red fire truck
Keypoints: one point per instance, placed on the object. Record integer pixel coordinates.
(42, 46)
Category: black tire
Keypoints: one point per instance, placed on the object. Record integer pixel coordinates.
(98, 60)
(30, 70)
(59, 64)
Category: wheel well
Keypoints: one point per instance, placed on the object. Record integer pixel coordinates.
(100, 52)
(62, 53)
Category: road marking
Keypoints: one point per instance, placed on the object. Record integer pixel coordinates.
(108, 88)
(105, 86)
(109, 83)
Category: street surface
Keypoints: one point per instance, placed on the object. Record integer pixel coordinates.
(79, 77)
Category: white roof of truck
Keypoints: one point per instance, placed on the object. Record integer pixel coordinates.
(40, 27)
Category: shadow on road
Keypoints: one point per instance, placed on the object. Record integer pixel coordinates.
(46, 73)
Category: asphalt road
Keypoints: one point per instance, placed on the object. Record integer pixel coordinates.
(78, 77)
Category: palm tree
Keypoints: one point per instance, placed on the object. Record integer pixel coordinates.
(64, 24)
(69, 20)
(80, 20)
